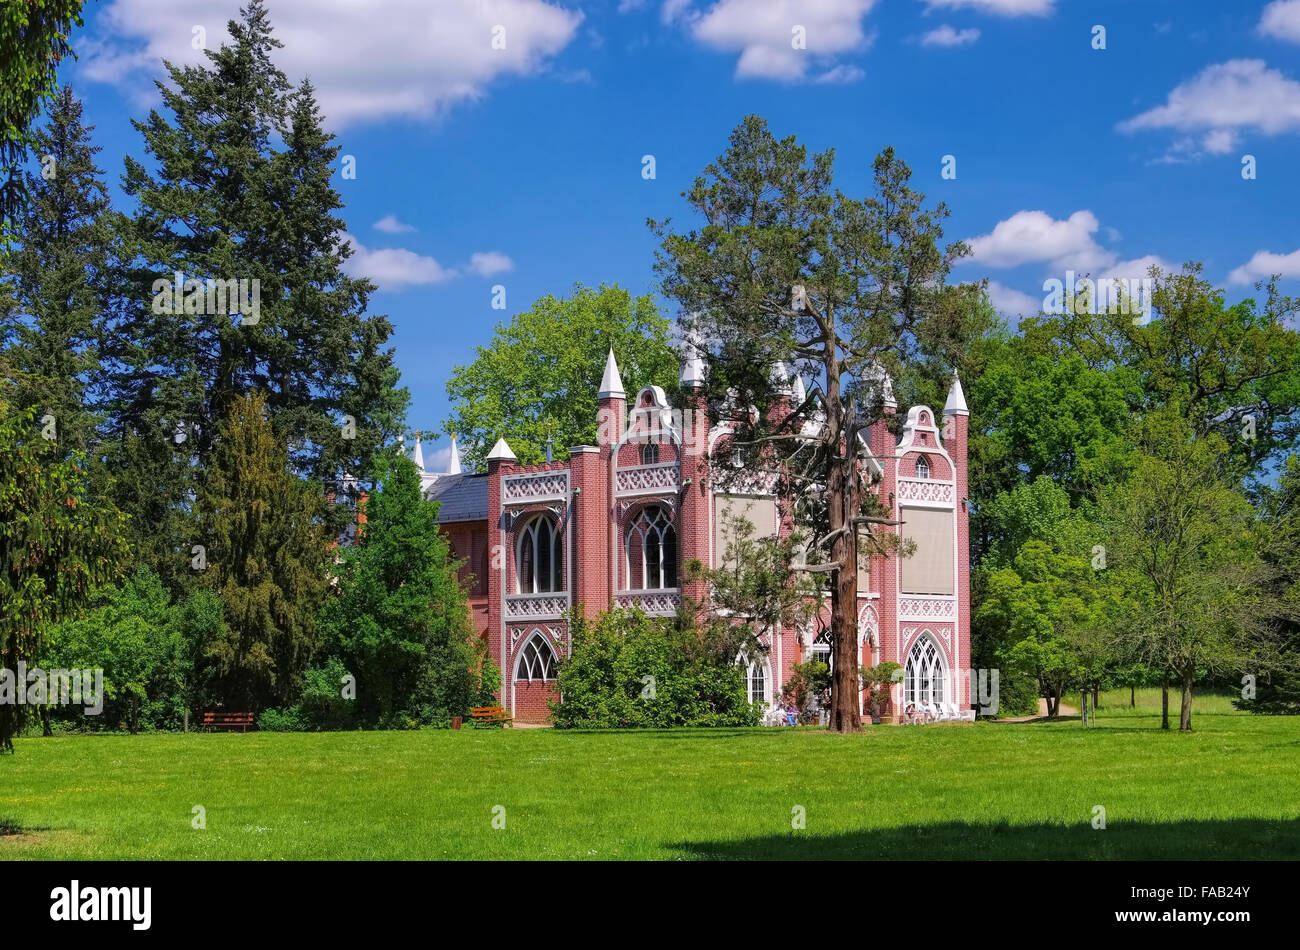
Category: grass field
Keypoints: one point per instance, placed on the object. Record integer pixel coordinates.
(982, 791)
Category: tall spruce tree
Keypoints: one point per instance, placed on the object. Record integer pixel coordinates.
(401, 621)
(59, 272)
(239, 189)
(263, 539)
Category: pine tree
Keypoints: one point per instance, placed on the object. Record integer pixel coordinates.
(239, 189)
(263, 541)
(401, 622)
(60, 270)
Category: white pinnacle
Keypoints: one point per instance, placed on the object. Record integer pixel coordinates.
(611, 384)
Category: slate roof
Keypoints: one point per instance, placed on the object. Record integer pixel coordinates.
(463, 497)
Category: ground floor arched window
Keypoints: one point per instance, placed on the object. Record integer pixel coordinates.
(757, 684)
(923, 674)
(537, 660)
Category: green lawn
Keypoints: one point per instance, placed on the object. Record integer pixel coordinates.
(969, 791)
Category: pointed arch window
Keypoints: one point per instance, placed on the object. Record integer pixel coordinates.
(650, 454)
(755, 678)
(539, 561)
(537, 660)
(651, 550)
(923, 674)
(922, 467)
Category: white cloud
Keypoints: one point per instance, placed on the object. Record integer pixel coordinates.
(999, 7)
(1012, 303)
(947, 36)
(368, 61)
(487, 263)
(1281, 19)
(841, 74)
(763, 32)
(1029, 237)
(1264, 264)
(389, 224)
(393, 268)
(1222, 100)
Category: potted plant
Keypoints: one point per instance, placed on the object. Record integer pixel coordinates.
(876, 681)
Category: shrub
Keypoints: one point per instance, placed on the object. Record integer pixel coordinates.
(628, 670)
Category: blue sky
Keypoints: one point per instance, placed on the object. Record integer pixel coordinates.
(522, 166)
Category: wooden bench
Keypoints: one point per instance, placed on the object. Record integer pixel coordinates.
(228, 720)
(491, 714)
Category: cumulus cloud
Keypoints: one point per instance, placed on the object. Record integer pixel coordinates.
(389, 224)
(1264, 264)
(393, 268)
(487, 263)
(1009, 302)
(1281, 20)
(1035, 237)
(1000, 7)
(947, 36)
(368, 61)
(764, 33)
(1224, 99)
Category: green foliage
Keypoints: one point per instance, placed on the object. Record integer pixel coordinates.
(540, 374)
(400, 621)
(808, 685)
(1185, 550)
(58, 275)
(237, 186)
(34, 37)
(131, 635)
(265, 550)
(876, 681)
(695, 679)
(787, 276)
(54, 548)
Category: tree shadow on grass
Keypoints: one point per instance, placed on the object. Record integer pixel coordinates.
(1239, 839)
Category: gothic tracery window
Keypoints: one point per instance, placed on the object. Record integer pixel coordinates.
(536, 660)
(923, 676)
(539, 562)
(651, 550)
(649, 454)
(922, 467)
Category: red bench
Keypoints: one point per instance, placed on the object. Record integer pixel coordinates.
(228, 721)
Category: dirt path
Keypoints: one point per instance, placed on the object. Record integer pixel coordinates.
(1064, 710)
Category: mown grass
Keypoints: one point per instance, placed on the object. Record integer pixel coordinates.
(983, 791)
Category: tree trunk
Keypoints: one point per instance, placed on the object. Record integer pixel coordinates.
(845, 694)
(1164, 702)
(1096, 698)
(1083, 707)
(45, 722)
(1185, 715)
(1132, 697)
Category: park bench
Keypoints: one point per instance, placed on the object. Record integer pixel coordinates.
(228, 720)
(490, 714)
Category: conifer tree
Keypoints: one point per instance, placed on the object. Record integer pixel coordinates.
(59, 271)
(401, 621)
(263, 553)
(238, 189)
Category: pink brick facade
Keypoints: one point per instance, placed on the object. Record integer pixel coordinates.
(612, 525)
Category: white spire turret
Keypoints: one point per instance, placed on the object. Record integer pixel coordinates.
(453, 460)
(693, 367)
(956, 404)
(611, 384)
(501, 452)
(419, 454)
